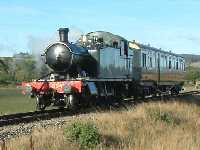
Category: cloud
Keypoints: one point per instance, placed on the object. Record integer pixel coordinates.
(194, 39)
(23, 10)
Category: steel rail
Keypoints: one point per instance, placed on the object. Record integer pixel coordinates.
(32, 116)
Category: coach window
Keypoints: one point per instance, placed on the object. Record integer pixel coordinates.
(170, 63)
(115, 44)
(183, 66)
(176, 64)
(165, 62)
(144, 60)
(162, 61)
(179, 62)
(150, 61)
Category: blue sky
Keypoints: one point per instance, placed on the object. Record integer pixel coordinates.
(168, 24)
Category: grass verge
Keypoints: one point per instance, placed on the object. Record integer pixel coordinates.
(153, 126)
(12, 101)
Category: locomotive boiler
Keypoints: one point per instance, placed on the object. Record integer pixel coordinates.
(69, 59)
(103, 66)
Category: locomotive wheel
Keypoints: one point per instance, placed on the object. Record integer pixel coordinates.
(40, 105)
(72, 101)
(174, 91)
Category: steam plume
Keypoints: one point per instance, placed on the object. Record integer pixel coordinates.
(37, 45)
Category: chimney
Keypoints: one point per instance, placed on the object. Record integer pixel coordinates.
(63, 34)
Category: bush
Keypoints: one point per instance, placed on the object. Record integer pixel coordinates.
(163, 116)
(85, 134)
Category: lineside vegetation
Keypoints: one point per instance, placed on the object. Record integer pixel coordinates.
(154, 126)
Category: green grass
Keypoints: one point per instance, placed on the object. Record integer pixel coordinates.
(13, 101)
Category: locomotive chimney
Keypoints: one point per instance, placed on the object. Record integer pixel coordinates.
(63, 34)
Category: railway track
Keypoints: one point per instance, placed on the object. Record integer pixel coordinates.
(32, 116)
(27, 117)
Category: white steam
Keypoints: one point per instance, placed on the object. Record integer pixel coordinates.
(74, 34)
(37, 45)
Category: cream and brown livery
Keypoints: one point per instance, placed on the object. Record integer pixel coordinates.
(152, 64)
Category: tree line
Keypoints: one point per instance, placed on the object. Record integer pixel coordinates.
(15, 70)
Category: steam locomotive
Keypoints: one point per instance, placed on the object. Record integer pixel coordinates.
(103, 66)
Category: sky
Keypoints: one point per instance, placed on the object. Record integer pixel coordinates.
(173, 25)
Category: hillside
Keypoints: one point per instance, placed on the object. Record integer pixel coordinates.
(192, 67)
(192, 60)
(195, 64)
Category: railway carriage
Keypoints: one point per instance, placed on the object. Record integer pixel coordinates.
(155, 67)
(102, 65)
